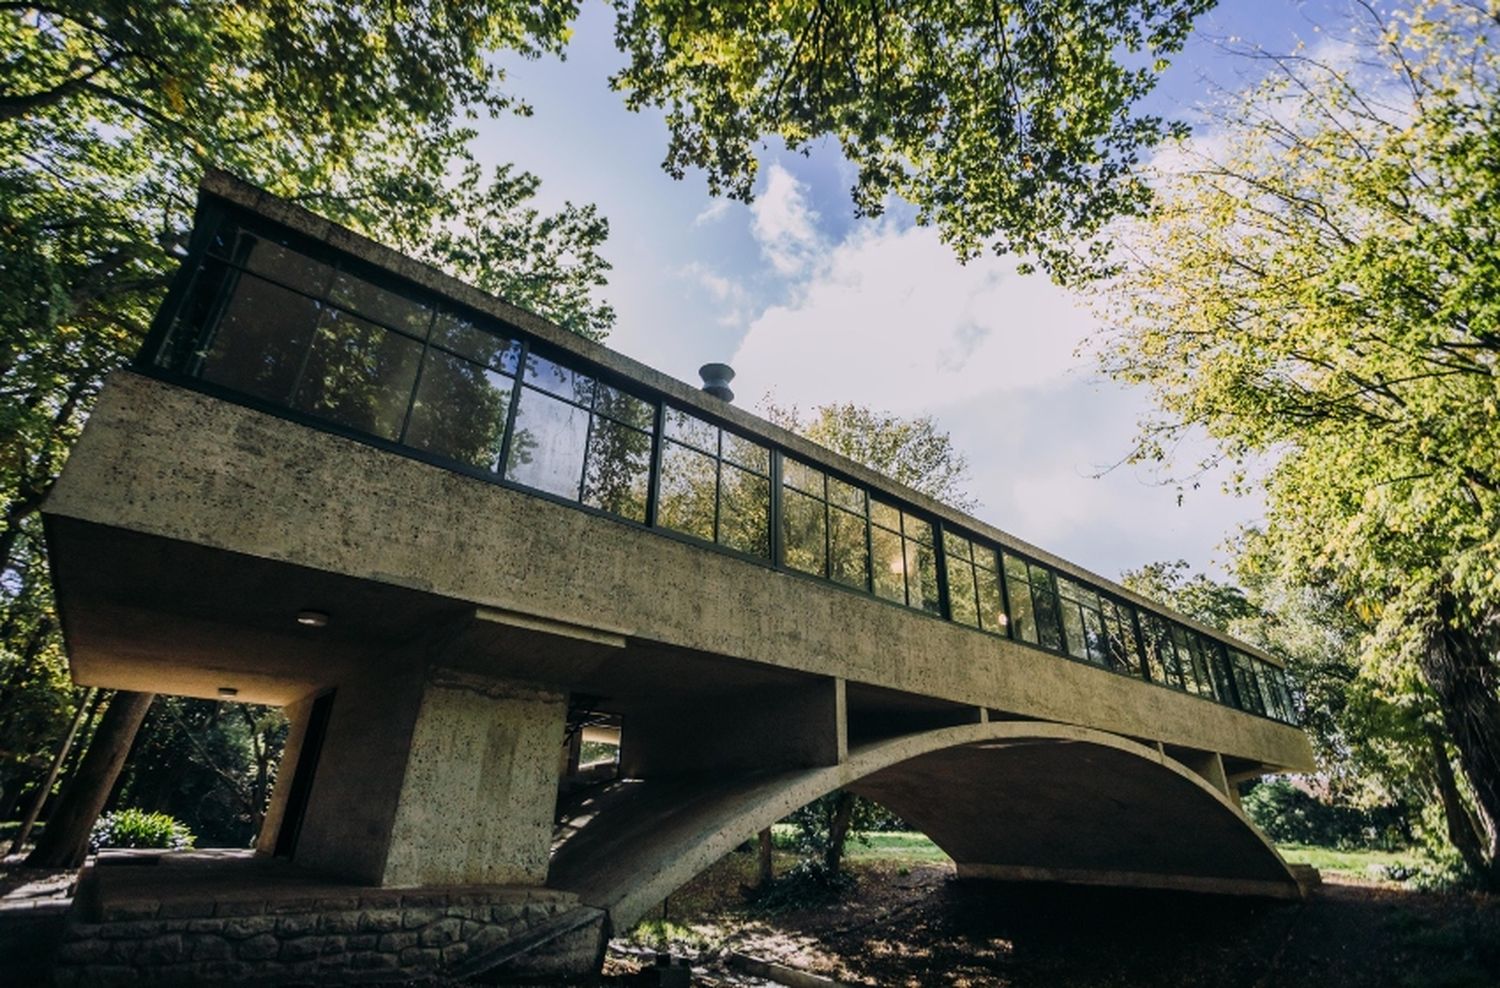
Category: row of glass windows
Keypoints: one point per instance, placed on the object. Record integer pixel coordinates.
(262, 319)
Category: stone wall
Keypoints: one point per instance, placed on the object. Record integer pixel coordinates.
(368, 936)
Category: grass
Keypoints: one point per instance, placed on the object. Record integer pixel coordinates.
(1362, 864)
(904, 846)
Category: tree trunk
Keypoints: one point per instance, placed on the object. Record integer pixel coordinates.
(838, 832)
(35, 809)
(1462, 834)
(767, 872)
(1466, 681)
(65, 842)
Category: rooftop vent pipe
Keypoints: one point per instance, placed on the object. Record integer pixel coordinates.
(716, 378)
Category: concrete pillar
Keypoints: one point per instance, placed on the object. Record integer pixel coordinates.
(796, 725)
(435, 777)
(1206, 764)
(297, 715)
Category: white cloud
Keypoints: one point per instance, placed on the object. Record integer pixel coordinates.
(785, 224)
(713, 212)
(731, 300)
(890, 320)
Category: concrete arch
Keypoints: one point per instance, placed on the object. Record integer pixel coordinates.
(1009, 799)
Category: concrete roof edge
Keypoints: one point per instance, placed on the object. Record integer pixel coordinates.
(229, 188)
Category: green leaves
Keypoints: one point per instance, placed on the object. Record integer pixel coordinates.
(1010, 124)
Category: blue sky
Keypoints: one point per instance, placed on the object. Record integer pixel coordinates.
(811, 305)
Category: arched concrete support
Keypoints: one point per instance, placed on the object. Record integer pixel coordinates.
(1014, 799)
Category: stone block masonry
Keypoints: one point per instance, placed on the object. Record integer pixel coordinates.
(366, 936)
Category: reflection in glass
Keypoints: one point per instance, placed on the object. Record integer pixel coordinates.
(802, 477)
(686, 492)
(922, 576)
(888, 564)
(459, 411)
(359, 375)
(546, 445)
(469, 340)
(848, 561)
(622, 407)
(260, 340)
(745, 511)
(1044, 605)
(991, 610)
(744, 453)
(617, 469)
(554, 378)
(692, 431)
(382, 305)
(803, 533)
(1022, 616)
(275, 261)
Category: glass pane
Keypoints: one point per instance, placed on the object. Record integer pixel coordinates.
(687, 491)
(1066, 588)
(622, 407)
(849, 559)
(802, 477)
(922, 577)
(1093, 637)
(565, 382)
(1179, 672)
(991, 612)
(260, 341)
(359, 375)
(277, 262)
(846, 495)
(460, 411)
(917, 528)
(468, 339)
(888, 565)
(1072, 622)
(1022, 619)
(1155, 638)
(1123, 653)
(745, 511)
(885, 516)
(546, 445)
(803, 533)
(1244, 679)
(962, 603)
(692, 431)
(1044, 602)
(986, 558)
(617, 470)
(390, 308)
(1218, 665)
(1268, 695)
(743, 452)
(957, 547)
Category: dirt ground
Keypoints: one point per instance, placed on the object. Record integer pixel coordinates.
(918, 925)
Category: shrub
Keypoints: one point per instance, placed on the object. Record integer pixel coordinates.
(1289, 815)
(137, 828)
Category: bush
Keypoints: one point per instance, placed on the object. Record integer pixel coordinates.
(137, 828)
(1289, 815)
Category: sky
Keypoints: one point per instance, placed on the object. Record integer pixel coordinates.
(812, 305)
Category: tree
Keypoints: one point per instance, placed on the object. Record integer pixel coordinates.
(911, 451)
(110, 111)
(1011, 123)
(1320, 294)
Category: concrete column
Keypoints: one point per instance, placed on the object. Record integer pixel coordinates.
(1206, 764)
(799, 725)
(270, 825)
(435, 777)
(477, 801)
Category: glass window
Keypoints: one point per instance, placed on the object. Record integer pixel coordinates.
(1161, 658)
(1022, 617)
(1244, 682)
(1045, 607)
(468, 340)
(359, 375)
(460, 410)
(726, 500)
(848, 554)
(888, 563)
(273, 259)
(744, 511)
(804, 532)
(963, 592)
(991, 608)
(554, 378)
(386, 306)
(687, 492)
(1119, 628)
(547, 444)
(260, 341)
(617, 468)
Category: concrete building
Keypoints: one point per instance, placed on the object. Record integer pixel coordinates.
(445, 534)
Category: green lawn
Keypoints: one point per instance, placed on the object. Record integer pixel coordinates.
(904, 845)
(1358, 863)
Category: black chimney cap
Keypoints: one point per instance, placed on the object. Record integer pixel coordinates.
(716, 378)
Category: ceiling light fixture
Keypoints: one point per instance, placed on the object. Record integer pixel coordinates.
(312, 619)
(228, 692)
